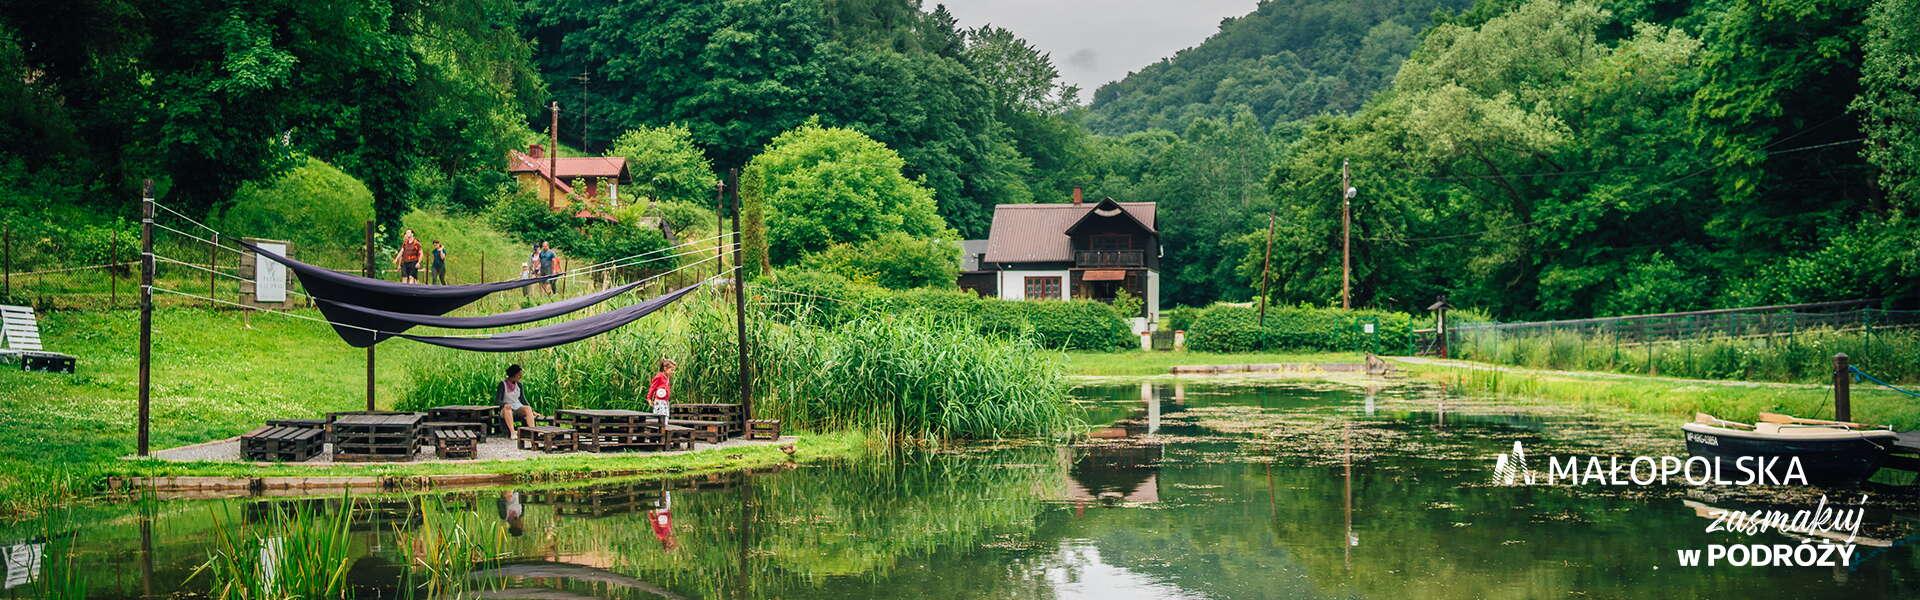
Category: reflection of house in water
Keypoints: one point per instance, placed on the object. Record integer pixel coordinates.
(1125, 465)
(23, 563)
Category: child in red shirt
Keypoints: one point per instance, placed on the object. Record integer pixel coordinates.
(660, 392)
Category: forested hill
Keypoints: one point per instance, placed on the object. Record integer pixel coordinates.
(1286, 60)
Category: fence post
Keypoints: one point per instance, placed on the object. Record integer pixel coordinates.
(146, 312)
(1842, 392)
(483, 268)
(6, 231)
(213, 262)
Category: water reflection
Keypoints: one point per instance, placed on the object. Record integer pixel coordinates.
(1186, 490)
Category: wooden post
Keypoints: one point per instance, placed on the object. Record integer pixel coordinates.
(1266, 264)
(368, 268)
(1346, 238)
(1842, 389)
(146, 310)
(483, 267)
(6, 232)
(553, 155)
(213, 261)
(113, 280)
(740, 303)
(719, 228)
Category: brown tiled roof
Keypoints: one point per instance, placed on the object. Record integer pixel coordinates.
(1038, 232)
(570, 168)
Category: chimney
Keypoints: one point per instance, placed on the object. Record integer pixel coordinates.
(535, 151)
(1076, 196)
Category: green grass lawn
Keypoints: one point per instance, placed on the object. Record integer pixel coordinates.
(1141, 363)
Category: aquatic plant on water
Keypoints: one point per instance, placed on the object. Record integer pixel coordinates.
(292, 550)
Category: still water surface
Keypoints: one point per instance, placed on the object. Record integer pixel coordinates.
(1181, 491)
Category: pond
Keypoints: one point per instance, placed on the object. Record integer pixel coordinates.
(1221, 490)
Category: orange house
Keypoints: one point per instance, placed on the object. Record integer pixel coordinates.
(600, 177)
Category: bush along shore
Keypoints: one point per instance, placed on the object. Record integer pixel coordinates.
(1805, 356)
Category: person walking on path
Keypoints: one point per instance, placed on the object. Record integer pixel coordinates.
(408, 259)
(439, 264)
(546, 256)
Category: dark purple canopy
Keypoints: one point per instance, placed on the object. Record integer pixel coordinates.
(395, 321)
(558, 333)
(361, 329)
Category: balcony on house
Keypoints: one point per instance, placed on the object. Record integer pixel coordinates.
(1109, 258)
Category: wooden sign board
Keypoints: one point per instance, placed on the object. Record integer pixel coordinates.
(268, 283)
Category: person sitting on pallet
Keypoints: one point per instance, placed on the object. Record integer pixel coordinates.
(511, 400)
(660, 391)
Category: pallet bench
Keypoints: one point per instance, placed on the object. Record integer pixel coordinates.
(693, 411)
(546, 438)
(484, 414)
(479, 430)
(376, 437)
(602, 430)
(454, 443)
(281, 443)
(712, 432)
(20, 332)
(763, 429)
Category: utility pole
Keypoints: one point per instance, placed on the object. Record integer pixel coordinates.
(368, 271)
(740, 303)
(553, 154)
(1346, 237)
(146, 310)
(1266, 264)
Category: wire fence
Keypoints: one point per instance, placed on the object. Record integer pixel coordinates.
(1765, 343)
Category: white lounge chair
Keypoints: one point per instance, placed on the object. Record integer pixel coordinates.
(20, 332)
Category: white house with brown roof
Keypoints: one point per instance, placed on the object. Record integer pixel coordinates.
(1068, 251)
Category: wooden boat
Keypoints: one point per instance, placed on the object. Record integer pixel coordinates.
(1830, 452)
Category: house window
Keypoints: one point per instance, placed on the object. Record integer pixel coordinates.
(1043, 288)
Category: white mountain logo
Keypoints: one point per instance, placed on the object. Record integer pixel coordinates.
(1511, 468)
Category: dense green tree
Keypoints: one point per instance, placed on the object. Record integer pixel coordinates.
(1288, 60)
(1889, 101)
(818, 186)
(666, 166)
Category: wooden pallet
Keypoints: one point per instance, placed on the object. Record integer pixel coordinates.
(376, 437)
(729, 413)
(712, 432)
(546, 438)
(455, 443)
(606, 500)
(763, 429)
(280, 443)
(484, 414)
(603, 430)
(479, 430)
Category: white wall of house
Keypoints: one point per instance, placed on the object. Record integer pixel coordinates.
(1013, 284)
(1153, 296)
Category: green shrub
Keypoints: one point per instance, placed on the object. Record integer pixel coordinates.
(1077, 325)
(894, 260)
(1225, 328)
(315, 206)
(1179, 318)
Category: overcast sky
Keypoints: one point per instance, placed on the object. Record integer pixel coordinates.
(1096, 41)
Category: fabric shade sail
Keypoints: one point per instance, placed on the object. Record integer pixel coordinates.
(559, 333)
(361, 329)
(396, 321)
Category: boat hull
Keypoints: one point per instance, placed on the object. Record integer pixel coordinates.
(1845, 461)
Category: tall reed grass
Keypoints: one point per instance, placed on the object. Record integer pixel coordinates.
(914, 376)
(1805, 356)
(295, 551)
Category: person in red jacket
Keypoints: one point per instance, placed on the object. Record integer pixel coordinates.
(660, 392)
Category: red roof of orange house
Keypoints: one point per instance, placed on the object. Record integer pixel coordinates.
(1038, 232)
(571, 168)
